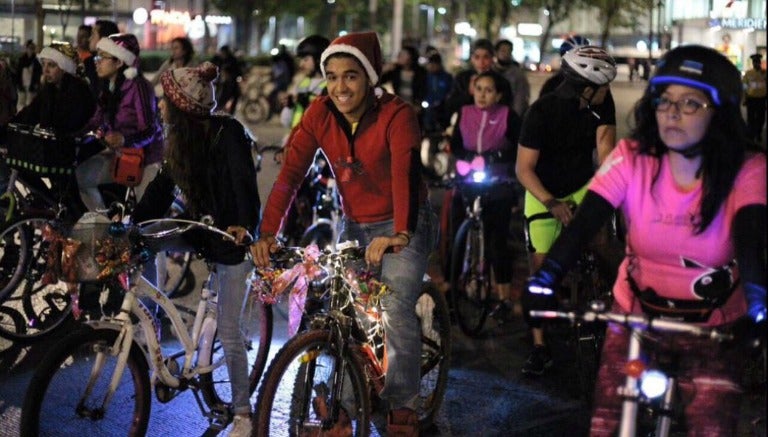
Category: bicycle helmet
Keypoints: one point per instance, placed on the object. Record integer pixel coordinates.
(588, 65)
(313, 45)
(572, 41)
(702, 68)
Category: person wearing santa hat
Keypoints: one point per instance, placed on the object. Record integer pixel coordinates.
(126, 117)
(52, 109)
(208, 164)
(371, 139)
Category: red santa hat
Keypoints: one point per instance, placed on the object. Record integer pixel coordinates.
(125, 47)
(364, 46)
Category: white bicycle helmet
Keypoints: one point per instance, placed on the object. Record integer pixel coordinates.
(572, 42)
(588, 65)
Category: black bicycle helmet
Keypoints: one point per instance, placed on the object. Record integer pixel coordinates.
(702, 68)
(588, 65)
(571, 42)
(313, 45)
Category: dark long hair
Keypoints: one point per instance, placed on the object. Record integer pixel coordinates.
(186, 45)
(186, 153)
(109, 100)
(724, 149)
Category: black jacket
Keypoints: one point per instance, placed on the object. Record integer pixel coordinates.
(233, 195)
(65, 108)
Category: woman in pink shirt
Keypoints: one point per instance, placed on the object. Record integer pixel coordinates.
(692, 188)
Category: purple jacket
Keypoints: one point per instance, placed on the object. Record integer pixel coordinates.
(484, 130)
(136, 118)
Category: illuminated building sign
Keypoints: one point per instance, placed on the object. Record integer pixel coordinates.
(738, 23)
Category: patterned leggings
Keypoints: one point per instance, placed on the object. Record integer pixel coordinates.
(708, 382)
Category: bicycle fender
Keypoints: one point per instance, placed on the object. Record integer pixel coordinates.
(204, 346)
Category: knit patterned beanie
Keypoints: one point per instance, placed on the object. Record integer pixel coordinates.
(63, 54)
(191, 88)
(125, 47)
(363, 46)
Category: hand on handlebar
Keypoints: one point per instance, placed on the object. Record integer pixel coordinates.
(242, 236)
(261, 250)
(114, 140)
(540, 289)
(380, 245)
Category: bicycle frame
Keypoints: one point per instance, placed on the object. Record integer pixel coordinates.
(199, 340)
(638, 326)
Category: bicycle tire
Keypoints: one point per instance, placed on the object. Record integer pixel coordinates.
(257, 329)
(435, 319)
(320, 234)
(44, 307)
(52, 404)
(307, 364)
(14, 250)
(470, 289)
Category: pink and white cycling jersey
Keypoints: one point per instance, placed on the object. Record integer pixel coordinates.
(663, 252)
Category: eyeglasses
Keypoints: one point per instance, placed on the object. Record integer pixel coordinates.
(99, 58)
(686, 106)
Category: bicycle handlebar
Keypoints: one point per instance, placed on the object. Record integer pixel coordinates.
(637, 321)
(183, 225)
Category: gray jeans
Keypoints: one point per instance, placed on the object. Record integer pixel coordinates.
(231, 286)
(403, 272)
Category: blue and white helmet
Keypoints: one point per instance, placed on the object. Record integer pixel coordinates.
(571, 42)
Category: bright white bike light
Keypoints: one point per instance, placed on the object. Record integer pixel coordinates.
(478, 176)
(653, 383)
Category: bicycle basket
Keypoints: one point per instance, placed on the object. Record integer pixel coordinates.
(38, 150)
(103, 251)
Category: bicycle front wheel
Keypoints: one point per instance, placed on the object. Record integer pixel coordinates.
(43, 307)
(470, 279)
(432, 310)
(312, 387)
(256, 326)
(66, 395)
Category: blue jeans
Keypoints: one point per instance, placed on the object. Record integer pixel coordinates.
(231, 286)
(403, 272)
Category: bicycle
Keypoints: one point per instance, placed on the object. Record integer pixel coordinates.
(28, 210)
(585, 284)
(97, 379)
(329, 375)
(470, 272)
(654, 388)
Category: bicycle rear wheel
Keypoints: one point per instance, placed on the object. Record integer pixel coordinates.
(60, 402)
(43, 307)
(256, 325)
(312, 387)
(432, 310)
(470, 279)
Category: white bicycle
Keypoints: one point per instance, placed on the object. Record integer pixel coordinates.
(97, 379)
(650, 387)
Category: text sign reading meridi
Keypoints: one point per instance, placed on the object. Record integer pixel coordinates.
(739, 23)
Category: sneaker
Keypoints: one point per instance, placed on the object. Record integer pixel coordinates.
(539, 360)
(402, 422)
(241, 427)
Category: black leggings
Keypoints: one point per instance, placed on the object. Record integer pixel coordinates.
(497, 214)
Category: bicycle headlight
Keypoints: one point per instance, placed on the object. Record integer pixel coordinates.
(653, 383)
(478, 176)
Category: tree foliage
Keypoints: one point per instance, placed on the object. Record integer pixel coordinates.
(618, 13)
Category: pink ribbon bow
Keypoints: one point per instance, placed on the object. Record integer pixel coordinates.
(297, 278)
(463, 167)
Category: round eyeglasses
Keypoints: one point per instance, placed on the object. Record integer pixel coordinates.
(686, 106)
